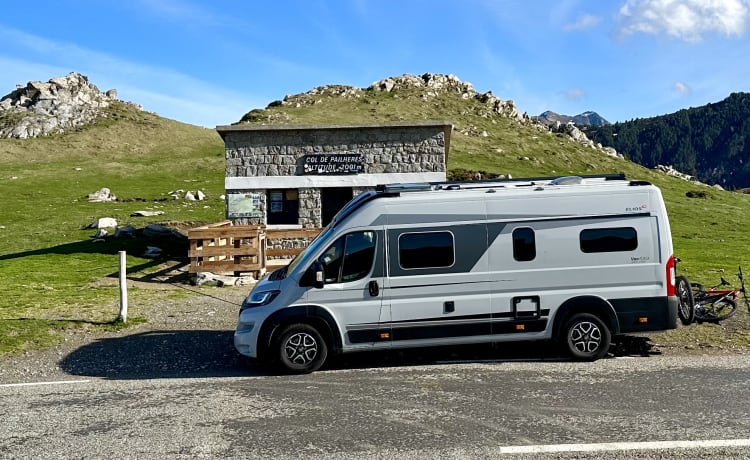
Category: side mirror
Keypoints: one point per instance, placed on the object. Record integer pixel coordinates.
(318, 274)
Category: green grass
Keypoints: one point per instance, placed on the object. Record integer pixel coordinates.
(50, 268)
(51, 273)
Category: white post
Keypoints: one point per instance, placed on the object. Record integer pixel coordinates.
(123, 288)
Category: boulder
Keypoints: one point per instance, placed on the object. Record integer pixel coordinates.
(53, 107)
(152, 252)
(102, 195)
(103, 222)
(125, 231)
(146, 213)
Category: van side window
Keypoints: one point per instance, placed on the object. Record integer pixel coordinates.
(426, 250)
(349, 258)
(609, 239)
(358, 256)
(524, 244)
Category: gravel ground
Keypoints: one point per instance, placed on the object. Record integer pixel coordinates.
(201, 326)
(193, 337)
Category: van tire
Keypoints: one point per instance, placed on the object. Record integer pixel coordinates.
(586, 337)
(300, 349)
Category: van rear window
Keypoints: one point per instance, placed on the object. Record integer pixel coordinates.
(617, 239)
(426, 250)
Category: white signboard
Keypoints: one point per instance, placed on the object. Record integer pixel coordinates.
(243, 205)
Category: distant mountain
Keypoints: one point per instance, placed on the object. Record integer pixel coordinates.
(582, 119)
(710, 142)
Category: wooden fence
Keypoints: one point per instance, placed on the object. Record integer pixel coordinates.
(225, 248)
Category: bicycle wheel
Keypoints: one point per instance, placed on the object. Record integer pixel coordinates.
(713, 312)
(686, 307)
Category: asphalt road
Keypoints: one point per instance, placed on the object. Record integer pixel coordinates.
(414, 405)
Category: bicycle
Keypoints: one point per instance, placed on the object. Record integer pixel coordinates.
(714, 304)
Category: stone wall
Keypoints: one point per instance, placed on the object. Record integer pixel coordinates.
(310, 214)
(277, 153)
(280, 152)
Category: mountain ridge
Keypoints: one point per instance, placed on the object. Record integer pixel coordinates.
(588, 118)
(709, 142)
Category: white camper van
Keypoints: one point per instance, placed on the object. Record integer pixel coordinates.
(571, 259)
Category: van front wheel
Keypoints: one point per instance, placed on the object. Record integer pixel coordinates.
(301, 349)
(586, 337)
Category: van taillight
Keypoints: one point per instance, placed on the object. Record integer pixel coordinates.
(670, 277)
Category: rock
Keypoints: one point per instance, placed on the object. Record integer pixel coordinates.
(189, 196)
(146, 213)
(152, 252)
(210, 279)
(200, 195)
(160, 231)
(102, 195)
(125, 231)
(104, 222)
(62, 103)
(101, 233)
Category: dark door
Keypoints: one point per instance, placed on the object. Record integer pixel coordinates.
(283, 207)
(332, 200)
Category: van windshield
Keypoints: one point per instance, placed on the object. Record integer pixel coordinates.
(304, 256)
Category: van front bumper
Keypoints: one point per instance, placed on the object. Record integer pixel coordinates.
(246, 337)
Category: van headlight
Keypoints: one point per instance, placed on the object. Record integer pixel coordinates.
(258, 299)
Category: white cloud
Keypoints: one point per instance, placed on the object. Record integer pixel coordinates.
(682, 88)
(685, 20)
(584, 22)
(575, 94)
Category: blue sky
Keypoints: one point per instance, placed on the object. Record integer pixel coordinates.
(209, 62)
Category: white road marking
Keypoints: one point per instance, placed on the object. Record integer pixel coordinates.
(615, 446)
(31, 384)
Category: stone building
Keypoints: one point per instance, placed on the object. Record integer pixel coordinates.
(300, 176)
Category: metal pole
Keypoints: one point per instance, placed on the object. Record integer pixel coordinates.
(123, 288)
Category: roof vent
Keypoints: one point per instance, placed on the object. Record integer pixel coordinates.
(567, 180)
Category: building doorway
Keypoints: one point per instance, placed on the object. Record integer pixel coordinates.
(332, 199)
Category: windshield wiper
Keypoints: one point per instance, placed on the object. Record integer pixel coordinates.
(279, 274)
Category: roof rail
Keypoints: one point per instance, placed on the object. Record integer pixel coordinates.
(493, 183)
(406, 187)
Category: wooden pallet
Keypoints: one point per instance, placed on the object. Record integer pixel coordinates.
(224, 248)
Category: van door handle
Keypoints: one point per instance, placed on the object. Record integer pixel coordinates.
(374, 288)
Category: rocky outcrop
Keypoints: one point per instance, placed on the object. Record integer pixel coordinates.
(437, 83)
(432, 85)
(571, 130)
(62, 103)
(582, 119)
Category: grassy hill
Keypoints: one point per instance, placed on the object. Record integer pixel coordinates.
(52, 273)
